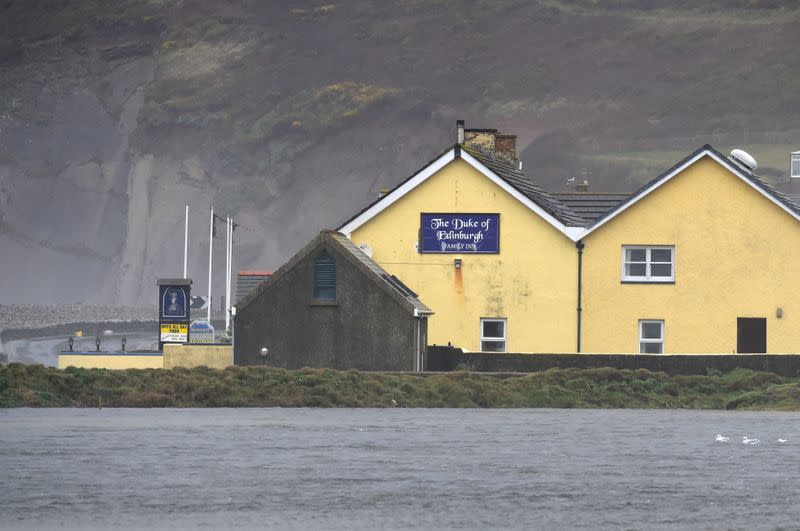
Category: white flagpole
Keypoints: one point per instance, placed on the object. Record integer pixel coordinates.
(210, 254)
(227, 273)
(186, 243)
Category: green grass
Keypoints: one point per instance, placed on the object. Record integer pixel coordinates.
(38, 386)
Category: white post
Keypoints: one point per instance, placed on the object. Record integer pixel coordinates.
(210, 254)
(186, 243)
(227, 274)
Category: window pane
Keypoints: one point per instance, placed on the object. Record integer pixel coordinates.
(661, 270)
(494, 329)
(650, 348)
(661, 255)
(651, 330)
(635, 270)
(635, 255)
(493, 346)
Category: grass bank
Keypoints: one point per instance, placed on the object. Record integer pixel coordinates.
(38, 386)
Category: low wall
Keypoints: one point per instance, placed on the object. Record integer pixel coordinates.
(190, 355)
(110, 360)
(449, 359)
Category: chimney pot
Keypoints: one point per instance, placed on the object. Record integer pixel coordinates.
(460, 131)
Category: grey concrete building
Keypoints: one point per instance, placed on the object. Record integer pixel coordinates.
(332, 306)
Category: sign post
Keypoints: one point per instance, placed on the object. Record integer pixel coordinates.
(174, 300)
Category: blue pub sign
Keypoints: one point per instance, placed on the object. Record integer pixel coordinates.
(459, 233)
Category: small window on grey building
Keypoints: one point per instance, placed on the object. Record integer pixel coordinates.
(324, 277)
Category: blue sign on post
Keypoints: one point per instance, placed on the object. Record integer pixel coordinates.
(459, 233)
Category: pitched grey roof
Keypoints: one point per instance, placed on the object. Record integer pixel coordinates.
(510, 174)
(518, 180)
(590, 205)
(389, 283)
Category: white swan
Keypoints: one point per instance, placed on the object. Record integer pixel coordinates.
(746, 440)
(782, 441)
(720, 438)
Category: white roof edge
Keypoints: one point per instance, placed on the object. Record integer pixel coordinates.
(397, 193)
(347, 229)
(675, 172)
(475, 163)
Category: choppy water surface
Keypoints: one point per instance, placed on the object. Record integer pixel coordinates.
(397, 468)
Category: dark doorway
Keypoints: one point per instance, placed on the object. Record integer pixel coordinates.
(751, 335)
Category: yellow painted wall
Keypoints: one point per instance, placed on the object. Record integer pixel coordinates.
(531, 282)
(113, 362)
(195, 355)
(737, 254)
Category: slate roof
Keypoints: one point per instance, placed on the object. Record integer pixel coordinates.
(389, 283)
(590, 205)
(770, 190)
(507, 172)
(511, 174)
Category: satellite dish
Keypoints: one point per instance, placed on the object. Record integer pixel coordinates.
(744, 159)
(366, 249)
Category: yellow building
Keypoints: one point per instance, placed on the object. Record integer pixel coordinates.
(512, 290)
(704, 259)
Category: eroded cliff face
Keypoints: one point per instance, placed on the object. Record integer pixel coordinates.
(114, 115)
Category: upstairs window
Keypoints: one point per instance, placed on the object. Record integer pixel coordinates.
(324, 277)
(795, 165)
(651, 337)
(493, 335)
(648, 264)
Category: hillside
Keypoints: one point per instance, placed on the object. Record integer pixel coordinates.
(292, 116)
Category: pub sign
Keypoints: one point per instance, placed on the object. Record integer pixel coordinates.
(174, 301)
(459, 233)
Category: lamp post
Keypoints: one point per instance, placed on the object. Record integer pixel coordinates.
(264, 354)
(97, 342)
(70, 342)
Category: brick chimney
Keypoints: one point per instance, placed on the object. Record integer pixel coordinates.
(489, 141)
(506, 145)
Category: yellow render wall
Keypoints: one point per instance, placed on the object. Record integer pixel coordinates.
(532, 281)
(113, 362)
(737, 254)
(188, 356)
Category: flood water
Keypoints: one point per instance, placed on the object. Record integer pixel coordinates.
(397, 469)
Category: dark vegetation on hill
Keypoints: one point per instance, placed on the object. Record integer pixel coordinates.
(37, 386)
(292, 116)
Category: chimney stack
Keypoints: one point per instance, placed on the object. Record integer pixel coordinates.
(582, 187)
(506, 145)
(490, 141)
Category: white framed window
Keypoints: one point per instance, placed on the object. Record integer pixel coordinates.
(795, 170)
(493, 335)
(645, 263)
(651, 336)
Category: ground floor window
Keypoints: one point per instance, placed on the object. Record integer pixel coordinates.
(493, 335)
(651, 337)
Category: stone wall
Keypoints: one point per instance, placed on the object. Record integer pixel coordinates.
(195, 355)
(449, 358)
